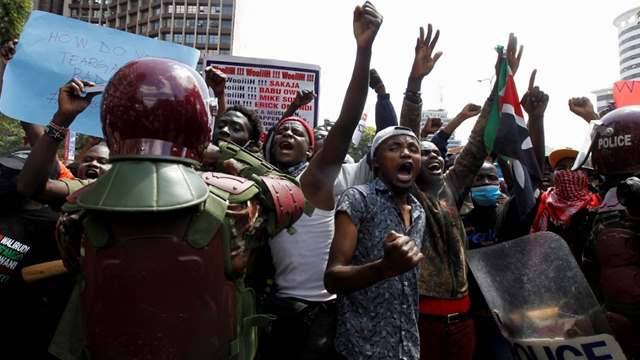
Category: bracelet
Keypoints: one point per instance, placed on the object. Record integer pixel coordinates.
(55, 132)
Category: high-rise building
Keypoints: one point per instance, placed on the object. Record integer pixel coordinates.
(204, 24)
(628, 24)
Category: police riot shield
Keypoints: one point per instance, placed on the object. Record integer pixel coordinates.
(541, 300)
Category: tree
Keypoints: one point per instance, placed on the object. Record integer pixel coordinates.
(360, 150)
(11, 135)
(13, 15)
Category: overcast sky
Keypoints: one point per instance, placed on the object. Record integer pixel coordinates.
(572, 43)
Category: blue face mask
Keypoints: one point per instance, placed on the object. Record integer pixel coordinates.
(485, 195)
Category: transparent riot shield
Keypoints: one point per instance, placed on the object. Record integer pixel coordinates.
(539, 296)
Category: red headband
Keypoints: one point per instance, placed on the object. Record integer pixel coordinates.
(305, 124)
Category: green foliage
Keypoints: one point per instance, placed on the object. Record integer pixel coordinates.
(357, 152)
(13, 15)
(11, 135)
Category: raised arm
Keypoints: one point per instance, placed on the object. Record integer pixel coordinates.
(216, 80)
(318, 180)
(441, 138)
(423, 62)
(534, 102)
(34, 178)
(302, 98)
(583, 107)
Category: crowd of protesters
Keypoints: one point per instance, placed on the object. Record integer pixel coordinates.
(377, 269)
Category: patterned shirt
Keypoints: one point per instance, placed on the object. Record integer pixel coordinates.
(379, 322)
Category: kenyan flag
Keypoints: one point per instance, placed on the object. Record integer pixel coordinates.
(507, 135)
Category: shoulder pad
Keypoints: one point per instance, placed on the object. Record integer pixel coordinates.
(72, 200)
(287, 200)
(233, 188)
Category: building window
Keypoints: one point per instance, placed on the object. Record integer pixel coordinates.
(201, 24)
(226, 24)
(84, 12)
(215, 9)
(133, 4)
(213, 39)
(189, 38)
(143, 14)
(156, 11)
(168, 9)
(213, 25)
(143, 28)
(155, 25)
(166, 37)
(191, 23)
(227, 9)
(202, 38)
(177, 38)
(192, 9)
(179, 23)
(179, 9)
(202, 9)
(74, 12)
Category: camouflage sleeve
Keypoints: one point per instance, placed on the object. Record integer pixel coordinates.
(460, 177)
(411, 114)
(76, 184)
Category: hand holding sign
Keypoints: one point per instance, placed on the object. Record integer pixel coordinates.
(71, 102)
(7, 50)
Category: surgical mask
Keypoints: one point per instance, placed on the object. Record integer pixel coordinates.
(485, 195)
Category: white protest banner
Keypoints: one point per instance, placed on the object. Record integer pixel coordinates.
(597, 347)
(53, 49)
(268, 86)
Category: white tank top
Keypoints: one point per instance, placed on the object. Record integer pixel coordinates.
(300, 259)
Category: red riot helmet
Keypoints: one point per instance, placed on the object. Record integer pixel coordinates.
(156, 108)
(616, 149)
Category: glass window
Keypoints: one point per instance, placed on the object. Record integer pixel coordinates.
(177, 38)
(156, 11)
(85, 12)
(166, 37)
(179, 9)
(189, 39)
(155, 25)
(74, 12)
(201, 24)
(179, 23)
(227, 9)
(215, 9)
(202, 9)
(226, 24)
(213, 39)
(202, 38)
(192, 9)
(191, 23)
(143, 28)
(168, 9)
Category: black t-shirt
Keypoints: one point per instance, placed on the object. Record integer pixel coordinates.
(29, 312)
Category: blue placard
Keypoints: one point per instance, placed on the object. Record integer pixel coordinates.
(54, 49)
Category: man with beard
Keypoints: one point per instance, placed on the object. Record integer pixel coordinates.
(305, 311)
(446, 329)
(374, 254)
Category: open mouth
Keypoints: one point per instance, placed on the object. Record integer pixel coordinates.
(434, 167)
(405, 170)
(91, 174)
(285, 145)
